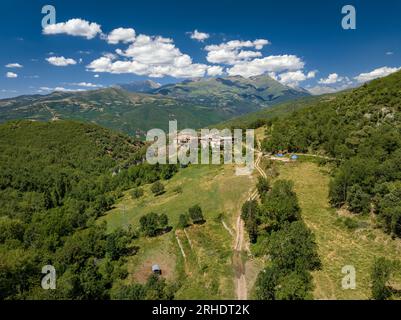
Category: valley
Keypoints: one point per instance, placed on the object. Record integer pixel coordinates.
(194, 104)
(91, 204)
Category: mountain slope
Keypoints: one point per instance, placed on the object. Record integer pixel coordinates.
(194, 104)
(145, 86)
(260, 90)
(113, 108)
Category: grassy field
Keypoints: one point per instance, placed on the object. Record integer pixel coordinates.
(206, 271)
(338, 245)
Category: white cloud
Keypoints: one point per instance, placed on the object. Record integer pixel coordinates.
(86, 85)
(61, 89)
(389, 53)
(11, 75)
(323, 89)
(231, 52)
(333, 83)
(311, 74)
(214, 71)
(96, 76)
(152, 56)
(293, 78)
(74, 27)
(377, 73)
(45, 89)
(125, 35)
(199, 36)
(13, 65)
(274, 64)
(154, 50)
(331, 79)
(61, 61)
(318, 90)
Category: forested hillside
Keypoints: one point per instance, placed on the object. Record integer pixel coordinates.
(56, 179)
(264, 116)
(362, 129)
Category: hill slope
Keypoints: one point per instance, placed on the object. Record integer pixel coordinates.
(194, 104)
(361, 128)
(265, 115)
(132, 113)
(56, 179)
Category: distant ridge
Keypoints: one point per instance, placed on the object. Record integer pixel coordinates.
(145, 86)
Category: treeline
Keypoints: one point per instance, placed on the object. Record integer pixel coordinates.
(276, 229)
(362, 129)
(382, 273)
(156, 288)
(56, 179)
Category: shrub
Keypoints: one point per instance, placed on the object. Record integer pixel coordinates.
(157, 188)
(183, 221)
(137, 193)
(196, 214)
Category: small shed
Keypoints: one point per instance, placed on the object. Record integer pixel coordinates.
(156, 269)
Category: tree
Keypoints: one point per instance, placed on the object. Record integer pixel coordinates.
(137, 193)
(149, 224)
(157, 289)
(130, 292)
(157, 188)
(196, 215)
(380, 276)
(266, 283)
(116, 244)
(294, 248)
(250, 215)
(294, 286)
(358, 201)
(163, 221)
(152, 224)
(389, 210)
(183, 221)
(263, 186)
(281, 205)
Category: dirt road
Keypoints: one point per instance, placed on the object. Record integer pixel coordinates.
(238, 261)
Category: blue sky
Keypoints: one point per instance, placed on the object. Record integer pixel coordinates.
(300, 43)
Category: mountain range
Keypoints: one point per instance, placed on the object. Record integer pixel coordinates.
(146, 86)
(137, 107)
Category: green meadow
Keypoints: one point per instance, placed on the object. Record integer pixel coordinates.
(339, 245)
(206, 270)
